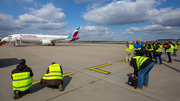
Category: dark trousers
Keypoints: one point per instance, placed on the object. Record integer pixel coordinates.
(175, 50)
(150, 54)
(153, 54)
(160, 60)
(169, 56)
(147, 53)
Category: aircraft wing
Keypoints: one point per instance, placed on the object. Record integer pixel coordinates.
(59, 39)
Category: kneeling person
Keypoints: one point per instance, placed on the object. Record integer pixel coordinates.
(21, 77)
(53, 76)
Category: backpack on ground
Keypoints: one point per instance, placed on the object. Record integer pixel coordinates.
(132, 81)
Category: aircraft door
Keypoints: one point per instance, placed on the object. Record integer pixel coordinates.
(9, 38)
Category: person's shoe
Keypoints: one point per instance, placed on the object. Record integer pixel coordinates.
(145, 85)
(60, 87)
(16, 96)
(139, 88)
(169, 62)
(160, 63)
(27, 91)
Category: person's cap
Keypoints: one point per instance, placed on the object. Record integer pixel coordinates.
(53, 62)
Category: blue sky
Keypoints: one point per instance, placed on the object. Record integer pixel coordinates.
(101, 20)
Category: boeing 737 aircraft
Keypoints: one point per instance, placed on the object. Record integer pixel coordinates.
(17, 39)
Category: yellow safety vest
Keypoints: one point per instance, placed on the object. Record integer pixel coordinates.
(171, 49)
(54, 73)
(159, 49)
(140, 60)
(151, 49)
(176, 46)
(129, 50)
(21, 81)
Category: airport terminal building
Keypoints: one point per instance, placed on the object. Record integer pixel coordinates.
(167, 40)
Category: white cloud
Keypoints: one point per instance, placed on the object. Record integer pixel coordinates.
(50, 12)
(31, 19)
(153, 29)
(98, 33)
(168, 17)
(8, 23)
(46, 18)
(146, 34)
(29, 1)
(9, 26)
(133, 12)
(25, 8)
(83, 1)
(50, 25)
(122, 12)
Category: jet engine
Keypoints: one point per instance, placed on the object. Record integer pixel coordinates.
(45, 42)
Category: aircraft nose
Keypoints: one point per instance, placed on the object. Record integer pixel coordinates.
(4, 39)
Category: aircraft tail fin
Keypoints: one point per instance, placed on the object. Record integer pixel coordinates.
(75, 33)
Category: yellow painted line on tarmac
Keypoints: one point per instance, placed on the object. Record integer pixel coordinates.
(98, 66)
(67, 74)
(12, 52)
(35, 82)
(101, 71)
(6, 45)
(121, 60)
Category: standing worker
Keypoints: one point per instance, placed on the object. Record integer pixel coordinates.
(53, 76)
(21, 77)
(128, 51)
(175, 48)
(169, 50)
(153, 44)
(150, 50)
(138, 45)
(158, 52)
(165, 45)
(142, 66)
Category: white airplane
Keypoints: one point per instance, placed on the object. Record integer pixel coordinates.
(17, 39)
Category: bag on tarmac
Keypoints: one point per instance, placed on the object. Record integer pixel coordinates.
(132, 81)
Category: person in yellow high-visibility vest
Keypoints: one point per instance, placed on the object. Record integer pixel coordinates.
(158, 52)
(175, 48)
(169, 50)
(53, 77)
(21, 77)
(128, 51)
(142, 66)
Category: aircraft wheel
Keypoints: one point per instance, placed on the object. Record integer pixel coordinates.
(53, 44)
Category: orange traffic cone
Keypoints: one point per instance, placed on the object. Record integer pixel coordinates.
(67, 45)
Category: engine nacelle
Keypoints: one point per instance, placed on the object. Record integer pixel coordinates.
(45, 42)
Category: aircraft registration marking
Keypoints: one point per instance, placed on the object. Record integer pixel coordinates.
(67, 74)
